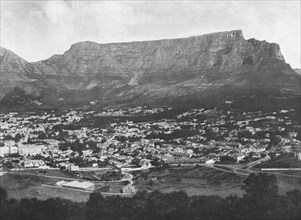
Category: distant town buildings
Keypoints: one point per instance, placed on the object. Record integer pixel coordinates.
(74, 140)
(30, 149)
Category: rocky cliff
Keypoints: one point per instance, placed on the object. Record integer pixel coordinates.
(297, 71)
(18, 75)
(166, 68)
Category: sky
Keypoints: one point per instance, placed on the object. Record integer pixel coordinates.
(36, 30)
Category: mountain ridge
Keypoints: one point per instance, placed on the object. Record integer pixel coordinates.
(150, 70)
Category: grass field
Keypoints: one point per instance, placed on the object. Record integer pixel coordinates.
(54, 173)
(21, 186)
(194, 181)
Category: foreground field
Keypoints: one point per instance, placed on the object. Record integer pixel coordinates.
(194, 181)
(200, 180)
(19, 186)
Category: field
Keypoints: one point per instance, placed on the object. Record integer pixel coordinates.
(194, 181)
(53, 173)
(33, 184)
(200, 180)
(287, 182)
(21, 186)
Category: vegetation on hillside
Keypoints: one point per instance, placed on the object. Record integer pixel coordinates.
(260, 201)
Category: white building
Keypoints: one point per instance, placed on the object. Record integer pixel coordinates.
(129, 189)
(34, 163)
(9, 143)
(297, 153)
(30, 149)
(89, 186)
(8, 150)
(74, 168)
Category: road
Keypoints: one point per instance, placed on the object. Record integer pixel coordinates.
(129, 178)
(245, 172)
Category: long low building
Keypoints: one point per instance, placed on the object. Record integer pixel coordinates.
(8, 150)
(85, 185)
(30, 149)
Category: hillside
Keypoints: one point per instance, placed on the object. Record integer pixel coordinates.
(150, 71)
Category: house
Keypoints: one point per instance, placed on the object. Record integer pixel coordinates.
(179, 154)
(60, 183)
(9, 143)
(34, 163)
(129, 189)
(87, 152)
(145, 163)
(210, 162)
(297, 153)
(74, 168)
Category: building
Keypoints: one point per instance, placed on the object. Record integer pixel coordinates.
(9, 143)
(8, 150)
(87, 153)
(60, 183)
(297, 153)
(178, 154)
(34, 164)
(30, 149)
(145, 163)
(129, 189)
(89, 186)
(129, 168)
(74, 168)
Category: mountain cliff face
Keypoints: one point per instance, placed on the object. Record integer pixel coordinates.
(297, 71)
(15, 72)
(165, 68)
(19, 76)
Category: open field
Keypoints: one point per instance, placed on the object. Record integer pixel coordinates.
(30, 186)
(48, 172)
(287, 183)
(200, 180)
(287, 180)
(221, 180)
(194, 181)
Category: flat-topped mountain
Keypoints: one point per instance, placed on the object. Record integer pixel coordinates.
(298, 71)
(161, 69)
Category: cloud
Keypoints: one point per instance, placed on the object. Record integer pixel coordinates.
(38, 29)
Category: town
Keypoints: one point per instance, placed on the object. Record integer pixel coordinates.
(96, 150)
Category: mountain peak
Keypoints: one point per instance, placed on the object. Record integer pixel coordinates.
(167, 68)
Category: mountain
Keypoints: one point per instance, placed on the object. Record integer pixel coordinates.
(150, 71)
(19, 78)
(298, 71)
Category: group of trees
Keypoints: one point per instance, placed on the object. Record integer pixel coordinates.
(260, 201)
(79, 146)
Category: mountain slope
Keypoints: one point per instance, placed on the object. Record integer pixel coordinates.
(18, 79)
(297, 71)
(165, 69)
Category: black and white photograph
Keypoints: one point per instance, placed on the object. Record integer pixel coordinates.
(150, 110)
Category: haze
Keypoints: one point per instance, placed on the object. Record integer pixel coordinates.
(36, 30)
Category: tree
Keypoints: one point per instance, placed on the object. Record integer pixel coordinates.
(261, 193)
(9, 164)
(294, 204)
(18, 137)
(3, 194)
(42, 135)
